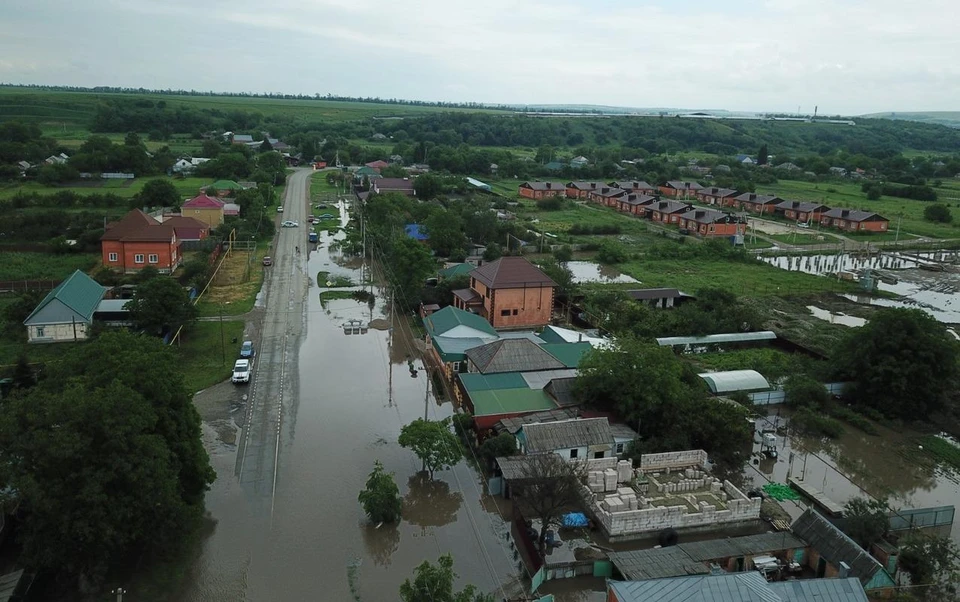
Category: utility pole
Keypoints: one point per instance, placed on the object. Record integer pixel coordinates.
(897, 238)
(119, 592)
(223, 345)
(389, 351)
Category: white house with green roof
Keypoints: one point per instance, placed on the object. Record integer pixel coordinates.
(66, 313)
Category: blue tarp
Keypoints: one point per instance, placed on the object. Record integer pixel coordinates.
(575, 519)
(414, 232)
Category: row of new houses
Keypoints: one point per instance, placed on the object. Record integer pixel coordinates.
(633, 196)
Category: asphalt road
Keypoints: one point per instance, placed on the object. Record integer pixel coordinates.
(274, 384)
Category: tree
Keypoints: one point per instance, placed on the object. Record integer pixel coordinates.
(503, 444)
(612, 252)
(547, 487)
(160, 303)
(802, 391)
(381, 497)
(210, 149)
(901, 363)
(931, 562)
(23, 375)
(874, 193)
(433, 442)
(427, 186)
(493, 252)
(445, 229)
(866, 521)
(410, 264)
(159, 193)
(434, 583)
(563, 254)
(938, 212)
(763, 155)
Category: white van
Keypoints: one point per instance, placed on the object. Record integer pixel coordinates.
(241, 371)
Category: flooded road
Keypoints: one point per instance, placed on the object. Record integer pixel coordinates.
(353, 394)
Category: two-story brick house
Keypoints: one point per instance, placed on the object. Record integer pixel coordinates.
(138, 241)
(509, 293)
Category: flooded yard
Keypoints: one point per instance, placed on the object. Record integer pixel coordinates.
(836, 317)
(589, 271)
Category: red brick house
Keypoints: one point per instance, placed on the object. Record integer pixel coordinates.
(509, 293)
(636, 204)
(640, 187)
(580, 190)
(764, 204)
(187, 228)
(607, 196)
(802, 211)
(679, 189)
(706, 222)
(721, 197)
(138, 241)
(541, 190)
(854, 220)
(667, 212)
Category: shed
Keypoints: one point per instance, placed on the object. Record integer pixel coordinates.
(735, 380)
(831, 547)
(566, 434)
(478, 184)
(656, 563)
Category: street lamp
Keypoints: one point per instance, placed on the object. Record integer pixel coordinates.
(119, 592)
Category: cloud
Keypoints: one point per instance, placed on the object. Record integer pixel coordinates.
(846, 56)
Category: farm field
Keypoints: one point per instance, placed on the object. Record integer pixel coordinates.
(17, 265)
(188, 187)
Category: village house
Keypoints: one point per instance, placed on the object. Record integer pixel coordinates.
(578, 162)
(635, 204)
(377, 165)
(239, 138)
(67, 312)
(223, 188)
(764, 204)
(731, 587)
(854, 220)
(187, 228)
(401, 185)
(607, 196)
(204, 208)
(580, 190)
(721, 197)
(802, 211)
(450, 332)
(746, 160)
(639, 187)
(667, 212)
(511, 355)
(573, 439)
(679, 189)
(706, 222)
(541, 190)
(138, 241)
(509, 292)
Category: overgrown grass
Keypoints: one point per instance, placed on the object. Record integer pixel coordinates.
(768, 361)
(236, 285)
(187, 187)
(323, 278)
(328, 296)
(854, 419)
(941, 450)
(320, 190)
(43, 266)
(207, 357)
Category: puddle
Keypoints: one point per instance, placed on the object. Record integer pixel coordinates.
(836, 317)
(589, 271)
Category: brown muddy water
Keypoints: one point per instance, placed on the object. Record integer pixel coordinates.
(318, 544)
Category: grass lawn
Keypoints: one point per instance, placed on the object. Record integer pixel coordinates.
(320, 190)
(208, 358)
(43, 266)
(187, 187)
(561, 221)
(768, 361)
(849, 196)
(236, 284)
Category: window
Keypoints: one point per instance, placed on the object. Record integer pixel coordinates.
(152, 258)
(138, 258)
(573, 453)
(456, 366)
(504, 312)
(486, 293)
(619, 448)
(598, 455)
(112, 257)
(40, 333)
(514, 312)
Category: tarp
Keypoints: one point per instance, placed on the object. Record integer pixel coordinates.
(575, 519)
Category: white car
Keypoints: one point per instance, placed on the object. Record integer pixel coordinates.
(289, 224)
(241, 372)
(280, 209)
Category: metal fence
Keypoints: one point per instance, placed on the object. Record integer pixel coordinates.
(19, 286)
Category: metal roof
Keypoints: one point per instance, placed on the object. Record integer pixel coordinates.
(656, 563)
(561, 389)
(569, 354)
(511, 272)
(820, 590)
(489, 382)
(556, 334)
(835, 546)
(448, 318)
(539, 380)
(512, 355)
(729, 587)
(457, 270)
(453, 349)
(735, 380)
(113, 305)
(710, 339)
(510, 401)
(74, 299)
(8, 585)
(579, 432)
(514, 467)
(750, 545)
(513, 425)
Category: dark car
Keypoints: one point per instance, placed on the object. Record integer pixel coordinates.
(246, 350)
(267, 261)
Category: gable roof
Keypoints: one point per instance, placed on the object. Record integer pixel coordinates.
(708, 216)
(569, 354)
(402, 184)
(835, 546)
(76, 297)
(804, 206)
(138, 226)
(638, 199)
(855, 215)
(444, 321)
(543, 186)
(611, 193)
(759, 199)
(556, 334)
(511, 272)
(669, 207)
(459, 269)
(584, 185)
(225, 185)
(718, 192)
(633, 185)
(728, 587)
(683, 185)
(203, 201)
(564, 434)
(510, 401)
(512, 355)
(378, 164)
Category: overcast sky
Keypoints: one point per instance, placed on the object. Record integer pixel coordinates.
(743, 55)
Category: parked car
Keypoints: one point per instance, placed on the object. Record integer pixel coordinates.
(246, 350)
(321, 205)
(280, 209)
(241, 372)
(327, 216)
(803, 225)
(268, 261)
(289, 224)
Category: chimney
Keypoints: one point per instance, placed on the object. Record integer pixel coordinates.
(753, 196)
(699, 214)
(844, 570)
(844, 213)
(796, 204)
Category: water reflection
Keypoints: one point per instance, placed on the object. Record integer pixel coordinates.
(430, 503)
(588, 271)
(381, 543)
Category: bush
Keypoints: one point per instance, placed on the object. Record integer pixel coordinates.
(612, 252)
(854, 419)
(938, 212)
(504, 444)
(809, 422)
(801, 391)
(550, 204)
(463, 424)
(596, 230)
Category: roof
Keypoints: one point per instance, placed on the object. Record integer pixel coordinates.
(112, 305)
(735, 380)
(646, 294)
(541, 379)
(611, 193)
(131, 224)
(585, 185)
(718, 192)
(710, 339)
(367, 171)
(749, 545)
(622, 431)
(727, 587)
(510, 401)
(543, 185)
(634, 185)
(179, 222)
(556, 334)
(378, 164)
(453, 349)
(448, 320)
(404, 184)
(569, 354)
(415, 232)
(225, 185)
(707, 216)
(835, 546)
(8, 585)
(656, 563)
(669, 207)
(203, 201)
(478, 183)
(638, 199)
(802, 206)
(242, 138)
(513, 425)
(551, 436)
(459, 269)
(511, 272)
(512, 355)
(514, 467)
(467, 295)
(820, 590)
(76, 298)
(473, 382)
(561, 390)
(758, 199)
(855, 215)
(683, 185)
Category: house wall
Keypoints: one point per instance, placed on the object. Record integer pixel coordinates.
(533, 307)
(168, 255)
(527, 192)
(211, 216)
(673, 460)
(53, 333)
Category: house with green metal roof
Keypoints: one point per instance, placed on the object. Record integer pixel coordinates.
(457, 269)
(66, 313)
(568, 354)
(224, 187)
(457, 323)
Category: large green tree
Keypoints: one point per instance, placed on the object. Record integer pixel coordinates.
(434, 583)
(159, 193)
(160, 303)
(902, 363)
(445, 231)
(866, 520)
(433, 442)
(409, 265)
(933, 564)
(381, 497)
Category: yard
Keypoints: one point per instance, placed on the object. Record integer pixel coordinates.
(187, 187)
(235, 287)
(17, 265)
(207, 353)
(321, 191)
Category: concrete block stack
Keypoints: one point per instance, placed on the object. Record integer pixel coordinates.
(715, 487)
(595, 481)
(624, 471)
(610, 479)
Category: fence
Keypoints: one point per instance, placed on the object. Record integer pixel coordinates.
(19, 286)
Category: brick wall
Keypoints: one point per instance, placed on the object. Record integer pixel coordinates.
(678, 459)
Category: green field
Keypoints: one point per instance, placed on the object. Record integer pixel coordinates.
(17, 265)
(207, 357)
(188, 187)
(320, 190)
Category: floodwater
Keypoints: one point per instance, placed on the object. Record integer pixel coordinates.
(356, 391)
(835, 317)
(933, 292)
(882, 465)
(589, 271)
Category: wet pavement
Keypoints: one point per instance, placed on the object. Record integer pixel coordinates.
(323, 407)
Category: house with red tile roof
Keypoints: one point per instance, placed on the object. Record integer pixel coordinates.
(377, 165)
(138, 241)
(187, 228)
(207, 209)
(509, 293)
